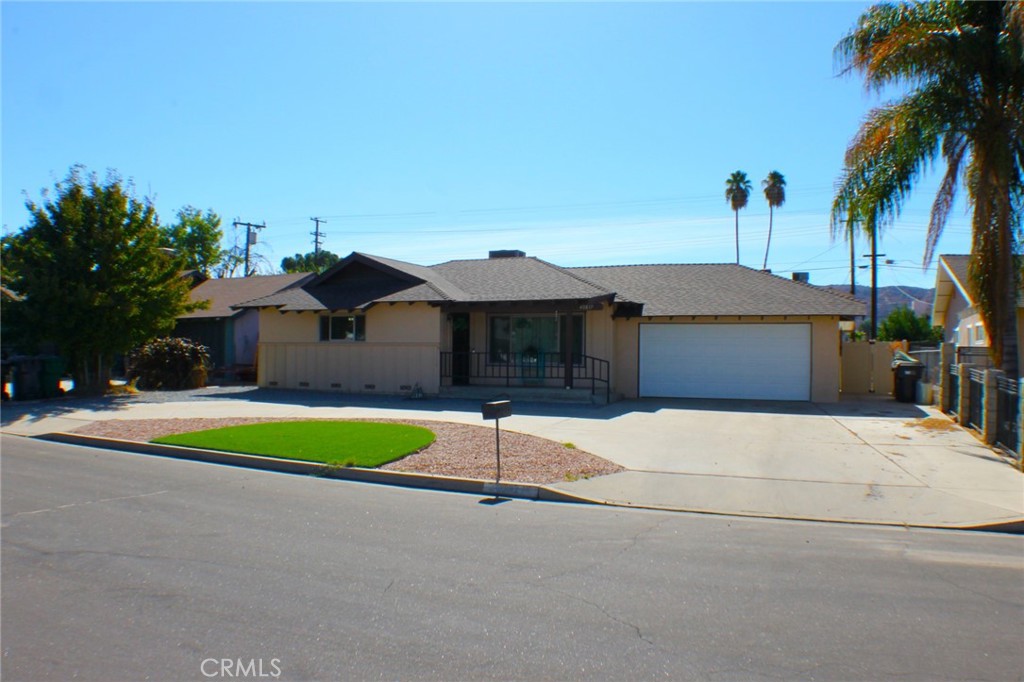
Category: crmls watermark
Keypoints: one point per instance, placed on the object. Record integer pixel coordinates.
(240, 668)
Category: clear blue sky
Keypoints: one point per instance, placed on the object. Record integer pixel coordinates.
(584, 134)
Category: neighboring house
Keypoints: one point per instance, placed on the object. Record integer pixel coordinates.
(231, 334)
(373, 324)
(954, 310)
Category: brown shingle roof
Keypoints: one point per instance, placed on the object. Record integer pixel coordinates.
(232, 291)
(517, 279)
(659, 289)
(716, 289)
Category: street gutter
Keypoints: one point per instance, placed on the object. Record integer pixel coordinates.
(526, 491)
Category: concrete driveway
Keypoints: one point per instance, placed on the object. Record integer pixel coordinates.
(868, 460)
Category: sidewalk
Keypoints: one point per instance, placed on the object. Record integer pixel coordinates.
(858, 461)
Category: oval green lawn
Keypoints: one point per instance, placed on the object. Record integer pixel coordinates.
(361, 444)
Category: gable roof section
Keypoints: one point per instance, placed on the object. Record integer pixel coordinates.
(232, 291)
(950, 280)
(716, 289)
(368, 280)
(518, 279)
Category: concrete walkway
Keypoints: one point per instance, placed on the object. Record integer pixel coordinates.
(865, 461)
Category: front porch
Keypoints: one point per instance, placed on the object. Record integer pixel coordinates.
(541, 375)
(524, 394)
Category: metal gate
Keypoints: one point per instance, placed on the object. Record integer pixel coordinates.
(954, 389)
(975, 417)
(1008, 411)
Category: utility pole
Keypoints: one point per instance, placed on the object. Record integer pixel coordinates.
(874, 256)
(853, 264)
(317, 236)
(250, 239)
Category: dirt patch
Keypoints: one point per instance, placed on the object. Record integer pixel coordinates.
(939, 424)
(460, 450)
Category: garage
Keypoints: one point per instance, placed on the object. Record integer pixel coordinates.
(745, 361)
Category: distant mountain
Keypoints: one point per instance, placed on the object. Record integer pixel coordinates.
(890, 298)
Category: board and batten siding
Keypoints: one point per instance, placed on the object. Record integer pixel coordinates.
(401, 350)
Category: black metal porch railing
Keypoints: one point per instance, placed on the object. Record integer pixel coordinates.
(1008, 413)
(527, 369)
(977, 391)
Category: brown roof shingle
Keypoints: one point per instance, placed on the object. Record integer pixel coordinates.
(517, 279)
(232, 291)
(716, 289)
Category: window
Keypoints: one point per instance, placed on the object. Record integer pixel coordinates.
(342, 328)
(524, 336)
(979, 335)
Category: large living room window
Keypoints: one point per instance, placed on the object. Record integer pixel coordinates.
(522, 337)
(342, 328)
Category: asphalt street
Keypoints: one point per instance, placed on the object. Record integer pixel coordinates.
(125, 567)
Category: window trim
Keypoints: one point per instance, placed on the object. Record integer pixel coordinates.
(326, 328)
(577, 357)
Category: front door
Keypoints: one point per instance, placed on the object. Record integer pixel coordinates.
(460, 349)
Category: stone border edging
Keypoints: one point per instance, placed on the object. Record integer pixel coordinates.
(529, 491)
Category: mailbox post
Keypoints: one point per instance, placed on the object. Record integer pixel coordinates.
(495, 410)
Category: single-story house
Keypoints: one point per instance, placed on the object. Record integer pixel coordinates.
(953, 308)
(231, 334)
(372, 324)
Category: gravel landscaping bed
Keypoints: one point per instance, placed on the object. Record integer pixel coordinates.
(459, 449)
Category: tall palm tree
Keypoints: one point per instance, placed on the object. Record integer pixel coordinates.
(961, 67)
(774, 187)
(737, 191)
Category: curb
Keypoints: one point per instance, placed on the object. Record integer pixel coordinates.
(526, 491)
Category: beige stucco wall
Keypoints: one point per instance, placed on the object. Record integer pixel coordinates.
(278, 327)
(402, 322)
(824, 350)
(404, 341)
(402, 349)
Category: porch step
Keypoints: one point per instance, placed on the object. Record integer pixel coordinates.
(524, 393)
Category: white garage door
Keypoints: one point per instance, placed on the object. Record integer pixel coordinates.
(750, 361)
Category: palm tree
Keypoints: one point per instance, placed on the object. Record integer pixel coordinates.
(961, 67)
(737, 191)
(774, 187)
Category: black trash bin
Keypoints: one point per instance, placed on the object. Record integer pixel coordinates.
(907, 376)
(26, 377)
(50, 373)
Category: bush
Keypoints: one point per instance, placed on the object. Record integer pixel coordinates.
(903, 325)
(170, 363)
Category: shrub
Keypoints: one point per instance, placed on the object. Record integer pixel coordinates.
(170, 363)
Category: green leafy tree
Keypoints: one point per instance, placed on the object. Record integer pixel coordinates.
(774, 187)
(737, 192)
(93, 278)
(196, 238)
(310, 262)
(903, 325)
(960, 67)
